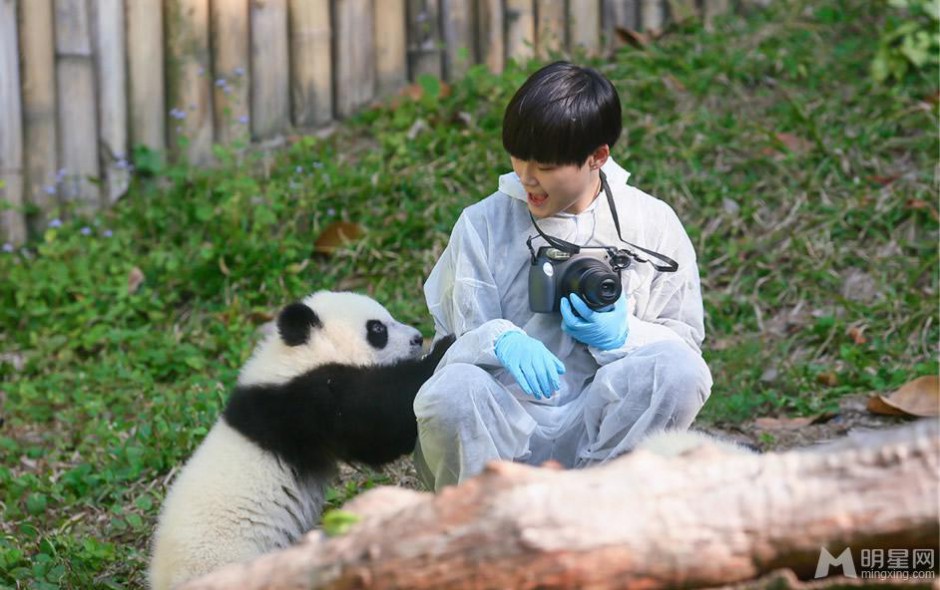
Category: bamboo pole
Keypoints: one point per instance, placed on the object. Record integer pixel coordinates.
(457, 30)
(622, 14)
(270, 69)
(681, 11)
(652, 15)
(424, 38)
(585, 24)
(189, 79)
(231, 46)
(108, 28)
(355, 55)
(491, 38)
(77, 110)
(147, 100)
(712, 9)
(550, 34)
(311, 62)
(391, 46)
(520, 29)
(37, 58)
(12, 218)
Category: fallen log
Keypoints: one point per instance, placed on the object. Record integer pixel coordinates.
(703, 519)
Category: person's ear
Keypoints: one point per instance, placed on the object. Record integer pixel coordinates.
(599, 157)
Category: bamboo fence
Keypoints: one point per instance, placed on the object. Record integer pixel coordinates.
(84, 81)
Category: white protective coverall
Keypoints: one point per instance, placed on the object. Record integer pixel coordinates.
(472, 411)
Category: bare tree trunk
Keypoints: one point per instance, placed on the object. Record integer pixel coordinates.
(700, 520)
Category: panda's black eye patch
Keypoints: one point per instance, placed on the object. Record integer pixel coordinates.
(376, 333)
(294, 323)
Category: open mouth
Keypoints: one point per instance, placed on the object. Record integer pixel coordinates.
(537, 199)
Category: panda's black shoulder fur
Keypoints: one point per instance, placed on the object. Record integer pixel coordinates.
(336, 412)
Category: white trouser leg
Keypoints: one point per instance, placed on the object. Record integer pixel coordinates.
(466, 419)
(657, 387)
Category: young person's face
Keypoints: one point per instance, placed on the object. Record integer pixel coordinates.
(555, 188)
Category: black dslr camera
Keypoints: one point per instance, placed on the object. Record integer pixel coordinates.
(593, 274)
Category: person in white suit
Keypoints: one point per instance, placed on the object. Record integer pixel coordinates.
(586, 383)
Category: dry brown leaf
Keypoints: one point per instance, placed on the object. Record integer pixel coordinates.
(920, 397)
(782, 423)
(673, 84)
(828, 379)
(795, 144)
(633, 38)
(416, 91)
(134, 280)
(883, 180)
(260, 316)
(336, 235)
(412, 91)
(857, 334)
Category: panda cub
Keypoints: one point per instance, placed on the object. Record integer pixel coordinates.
(335, 382)
(673, 443)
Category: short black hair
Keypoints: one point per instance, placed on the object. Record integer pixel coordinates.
(561, 114)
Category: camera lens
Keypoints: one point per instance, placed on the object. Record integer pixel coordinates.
(593, 281)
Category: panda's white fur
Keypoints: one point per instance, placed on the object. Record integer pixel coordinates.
(672, 443)
(234, 499)
(339, 340)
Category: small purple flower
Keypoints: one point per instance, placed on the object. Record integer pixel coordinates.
(107, 233)
(8, 248)
(221, 83)
(49, 189)
(60, 174)
(86, 231)
(299, 169)
(239, 71)
(243, 119)
(122, 164)
(318, 165)
(227, 90)
(178, 114)
(330, 212)
(55, 223)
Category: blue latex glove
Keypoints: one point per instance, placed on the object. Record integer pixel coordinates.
(533, 366)
(605, 330)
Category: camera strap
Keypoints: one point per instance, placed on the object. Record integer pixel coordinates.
(565, 246)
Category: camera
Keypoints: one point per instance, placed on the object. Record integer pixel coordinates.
(591, 274)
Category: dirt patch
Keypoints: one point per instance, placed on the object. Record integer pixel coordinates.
(783, 434)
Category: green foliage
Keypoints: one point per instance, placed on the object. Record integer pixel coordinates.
(910, 42)
(807, 189)
(338, 522)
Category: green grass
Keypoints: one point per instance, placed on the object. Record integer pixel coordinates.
(808, 191)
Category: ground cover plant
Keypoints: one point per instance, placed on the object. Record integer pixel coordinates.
(807, 187)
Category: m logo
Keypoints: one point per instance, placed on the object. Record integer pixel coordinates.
(826, 560)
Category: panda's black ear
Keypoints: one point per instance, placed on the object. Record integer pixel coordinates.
(294, 324)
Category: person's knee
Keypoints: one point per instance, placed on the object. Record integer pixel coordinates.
(447, 396)
(686, 379)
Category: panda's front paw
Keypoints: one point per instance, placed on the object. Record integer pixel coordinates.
(440, 348)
